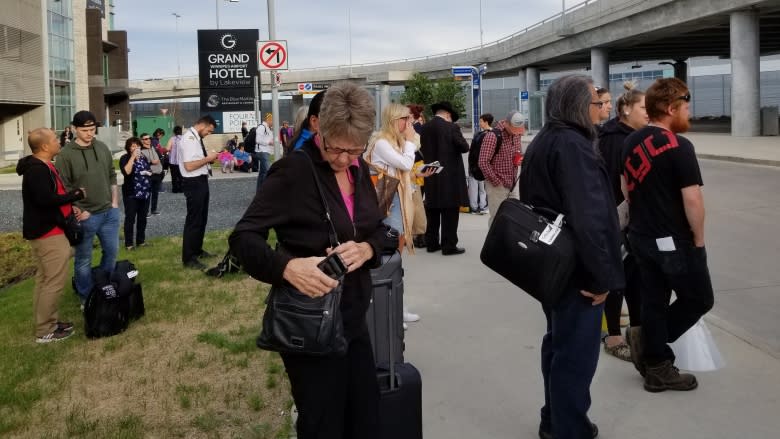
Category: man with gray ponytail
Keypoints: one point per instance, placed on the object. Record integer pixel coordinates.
(562, 172)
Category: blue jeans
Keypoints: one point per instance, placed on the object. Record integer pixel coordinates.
(570, 353)
(263, 160)
(106, 226)
(395, 218)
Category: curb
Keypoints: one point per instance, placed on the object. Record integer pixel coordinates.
(737, 331)
(734, 159)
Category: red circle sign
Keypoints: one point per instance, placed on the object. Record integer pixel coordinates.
(273, 55)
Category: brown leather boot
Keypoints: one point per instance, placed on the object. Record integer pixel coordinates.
(666, 376)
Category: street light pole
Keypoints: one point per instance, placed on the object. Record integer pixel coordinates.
(481, 42)
(216, 6)
(274, 85)
(178, 60)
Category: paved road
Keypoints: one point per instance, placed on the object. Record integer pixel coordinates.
(743, 246)
(229, 198)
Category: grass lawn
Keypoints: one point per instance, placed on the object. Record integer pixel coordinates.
(189, 368)
(8, 169)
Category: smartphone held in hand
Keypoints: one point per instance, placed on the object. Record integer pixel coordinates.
(333, 266)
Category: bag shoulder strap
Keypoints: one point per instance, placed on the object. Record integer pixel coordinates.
(332, 235)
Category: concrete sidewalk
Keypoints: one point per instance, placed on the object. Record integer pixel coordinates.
(478, 349)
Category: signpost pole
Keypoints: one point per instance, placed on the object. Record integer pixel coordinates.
(257, 98)
(274, 86)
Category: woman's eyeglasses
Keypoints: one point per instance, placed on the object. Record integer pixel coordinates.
(338, 151)
(598, 104)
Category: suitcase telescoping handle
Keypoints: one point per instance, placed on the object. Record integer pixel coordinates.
(390, 326)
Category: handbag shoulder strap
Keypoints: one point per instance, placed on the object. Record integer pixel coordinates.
(332, 235)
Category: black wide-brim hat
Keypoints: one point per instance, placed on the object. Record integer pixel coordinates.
(446, 106)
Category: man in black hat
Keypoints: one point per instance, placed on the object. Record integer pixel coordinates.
(445, 192)
(87, 163)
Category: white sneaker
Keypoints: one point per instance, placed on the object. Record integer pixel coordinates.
(410, 317)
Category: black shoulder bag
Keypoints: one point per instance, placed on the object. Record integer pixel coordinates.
(294, 322)
(531, 247)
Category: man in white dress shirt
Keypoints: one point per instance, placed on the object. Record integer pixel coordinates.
(195, 167)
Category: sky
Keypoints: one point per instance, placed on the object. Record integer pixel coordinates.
(318, 32)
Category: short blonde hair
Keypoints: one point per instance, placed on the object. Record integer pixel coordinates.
(347, 113)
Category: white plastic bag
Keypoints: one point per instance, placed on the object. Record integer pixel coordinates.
(696, 350)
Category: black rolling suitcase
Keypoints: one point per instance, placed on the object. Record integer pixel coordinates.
(400, 388)
(387, 284)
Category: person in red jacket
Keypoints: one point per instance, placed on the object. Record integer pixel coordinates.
(46, 204)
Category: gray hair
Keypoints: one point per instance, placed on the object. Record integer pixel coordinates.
(347, 112)
(568, 103)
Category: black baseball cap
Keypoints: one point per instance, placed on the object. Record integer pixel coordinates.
(84, 119)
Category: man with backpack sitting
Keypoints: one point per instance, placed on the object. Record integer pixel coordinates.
(500, 154)
(477, 196)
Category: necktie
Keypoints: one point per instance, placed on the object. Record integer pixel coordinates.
(203, 148)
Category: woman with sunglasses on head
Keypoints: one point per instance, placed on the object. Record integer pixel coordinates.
(336, 397)
(631, 116)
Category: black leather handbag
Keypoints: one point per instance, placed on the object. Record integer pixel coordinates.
(531, 247)
(296, 323)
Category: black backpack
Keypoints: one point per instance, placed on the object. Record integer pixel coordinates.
(114, 301)
(250, 141)
(476, 145)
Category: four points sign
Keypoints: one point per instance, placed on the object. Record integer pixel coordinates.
(272, 55)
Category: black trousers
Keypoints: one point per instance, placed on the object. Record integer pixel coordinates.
(156, 185)
(135, 216)
(175, 178)
(448, 220)
(614, 303)
(683, 270)
(196, 191)
(337, 398)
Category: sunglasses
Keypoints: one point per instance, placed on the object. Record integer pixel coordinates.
(146, 138)
(686, 97)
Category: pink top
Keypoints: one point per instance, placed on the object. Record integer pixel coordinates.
(349, 199)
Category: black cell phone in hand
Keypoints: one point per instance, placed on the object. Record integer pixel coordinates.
(333, 266)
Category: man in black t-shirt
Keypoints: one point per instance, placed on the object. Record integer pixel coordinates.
(662, 182)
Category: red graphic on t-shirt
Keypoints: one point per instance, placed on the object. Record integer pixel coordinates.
(636, 175)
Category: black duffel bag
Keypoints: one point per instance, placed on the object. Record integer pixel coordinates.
(115, 301)
(531, 247)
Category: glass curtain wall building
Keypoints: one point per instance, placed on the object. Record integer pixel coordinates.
(62, 74)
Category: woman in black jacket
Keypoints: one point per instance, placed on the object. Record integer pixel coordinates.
(631, 116)
(562, 172)
(336, 397)
(46, 204)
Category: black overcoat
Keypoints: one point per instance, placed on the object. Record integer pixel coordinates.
(443, 141)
